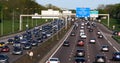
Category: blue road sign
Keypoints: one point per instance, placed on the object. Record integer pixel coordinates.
(82, 12)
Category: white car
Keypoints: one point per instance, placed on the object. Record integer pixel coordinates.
(98, 32)
(105, 48)
(82, 24)
(81, 27)
(81, 30)
(53, 60)
(83, 36)
(92, 41)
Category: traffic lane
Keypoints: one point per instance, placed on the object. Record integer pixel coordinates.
(11, 56)
(108, 55)
(103, 28)
(109, 38)
(93, 49)
(65, 54)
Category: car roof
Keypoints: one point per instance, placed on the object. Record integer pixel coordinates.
(54, 58)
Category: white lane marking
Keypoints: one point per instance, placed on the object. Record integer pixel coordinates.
(61, 44)
(116, 49)
(109, 42)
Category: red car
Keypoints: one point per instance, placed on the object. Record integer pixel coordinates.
(5, 49)
(80, 43)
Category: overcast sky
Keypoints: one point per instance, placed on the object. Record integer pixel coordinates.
(72, 4)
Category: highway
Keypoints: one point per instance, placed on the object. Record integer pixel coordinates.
(12, 57)
(67, 54)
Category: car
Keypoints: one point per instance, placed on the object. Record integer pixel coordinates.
(10, 41)
(88, 27)
(23, 41)
(17, 44)
(80, 52)
(53, 60)
(39, 40)
(80, 43)
(90, 30)
(5, 49)
(80, 60)
(17, 38)
(72, 34)
(81, 30)
(115, 32)
(34, 43)
(17, 51)
(66, 43)
(82, 24)
(100, 59)
(98, 32)
(82, 27)
(100, 36)
(92, 41)
(105, 48)
(4, 58)
(2, 44)
(27, 46)
(83, 36)
(116, 56)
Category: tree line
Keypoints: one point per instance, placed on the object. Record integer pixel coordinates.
(17, 7)
(112, 9)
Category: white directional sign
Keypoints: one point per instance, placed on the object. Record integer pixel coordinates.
(50, 13)
(94, 13)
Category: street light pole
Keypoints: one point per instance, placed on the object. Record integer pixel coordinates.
(13, 19)
(1, 21)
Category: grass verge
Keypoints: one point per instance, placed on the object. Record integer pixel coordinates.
(8, 25)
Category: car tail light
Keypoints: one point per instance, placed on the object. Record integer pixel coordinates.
(48, 62)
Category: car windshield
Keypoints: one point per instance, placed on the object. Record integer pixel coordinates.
(17, 49)
(2, 57)
(53, 59)
(79, 59)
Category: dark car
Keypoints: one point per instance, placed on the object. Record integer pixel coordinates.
(23, 41)
(100, 36)
(79, 60)
(115, 33)
(17, 44)
(10, 41)
(17, 38)
(80, 53)
(5, 49)
(72, 34)
(17, 51)
(90, 30)
(34, 43)
(66, 43)
(27, 46)
(116, 56)
(40, 40)
(100, 59)
(4, 58)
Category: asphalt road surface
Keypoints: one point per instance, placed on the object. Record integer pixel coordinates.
(67, 54)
